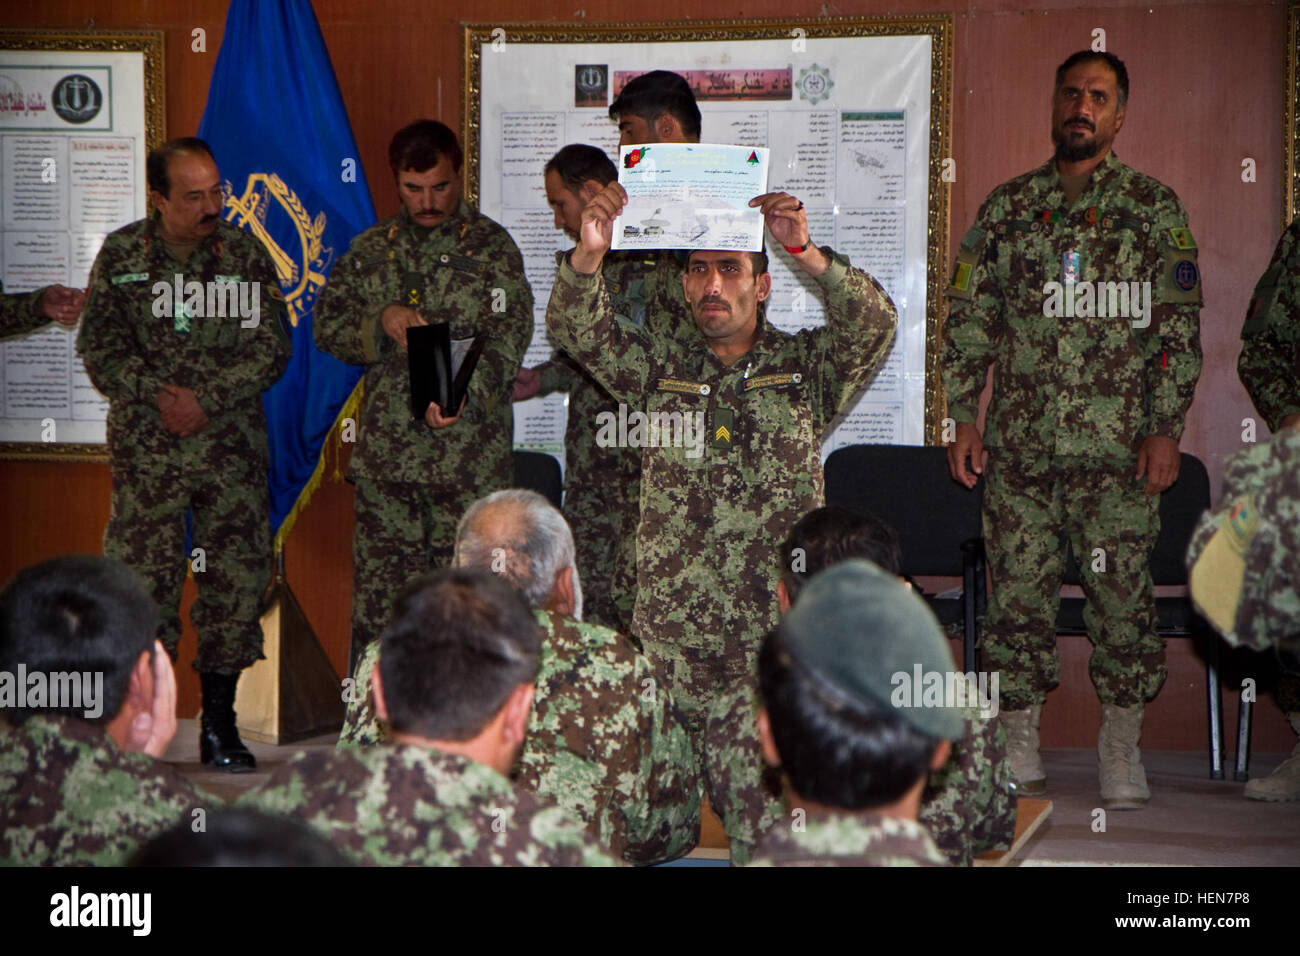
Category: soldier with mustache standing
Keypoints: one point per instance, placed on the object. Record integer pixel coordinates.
(414, 478)
(1088, 407)
(186, 431)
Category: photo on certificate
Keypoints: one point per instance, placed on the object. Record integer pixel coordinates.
(691, 196)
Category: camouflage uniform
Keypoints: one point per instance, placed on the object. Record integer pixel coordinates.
(1269, 364)
(603, 741)
(602, 486)
(412, 481)
(1073, 399)
(966, 807)
(18, 313)
(706, 579)
(404, 805)
(218, 474)
(847, 839)
(70, 797)
(1269, 367)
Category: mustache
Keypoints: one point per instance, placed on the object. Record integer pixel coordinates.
(713, 300)
(210, 217)
(1080, 121)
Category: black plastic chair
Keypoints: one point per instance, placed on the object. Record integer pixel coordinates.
(539, 472)
(1180, 507)
(937, 520)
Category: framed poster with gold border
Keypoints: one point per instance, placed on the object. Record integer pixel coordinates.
(79, 113)
(1291, 118)
(856, 112)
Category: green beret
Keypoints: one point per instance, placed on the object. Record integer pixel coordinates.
(870, 637)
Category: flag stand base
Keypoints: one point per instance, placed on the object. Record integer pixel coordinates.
(293, 693)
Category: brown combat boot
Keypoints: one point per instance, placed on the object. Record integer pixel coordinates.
(1123, 781)
(1022, 749)
(1284, 782)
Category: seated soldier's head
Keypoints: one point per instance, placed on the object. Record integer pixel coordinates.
(521, 536)
(425, 158)
(827, 536)
(239, 836)
(826, 676)
(457, 666)
(86, 626)
(573, 176)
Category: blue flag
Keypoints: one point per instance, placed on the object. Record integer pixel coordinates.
(277, 127)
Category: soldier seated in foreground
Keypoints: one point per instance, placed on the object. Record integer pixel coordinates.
(90, 698)
(604, 741)
(854, 764)
(966, 807)
(455, 683)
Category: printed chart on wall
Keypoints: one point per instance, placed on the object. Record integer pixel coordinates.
(847, 120)
(72, 150)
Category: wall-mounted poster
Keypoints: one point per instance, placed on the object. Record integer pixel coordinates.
(78, 115)
(855, 113)
(1291, 118)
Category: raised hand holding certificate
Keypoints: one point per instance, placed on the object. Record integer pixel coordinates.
(691, 196)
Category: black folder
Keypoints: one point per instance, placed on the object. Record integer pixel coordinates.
(440, 367)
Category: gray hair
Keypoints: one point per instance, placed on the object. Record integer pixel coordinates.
(529, 548)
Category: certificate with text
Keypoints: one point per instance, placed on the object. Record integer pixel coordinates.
(691, 196)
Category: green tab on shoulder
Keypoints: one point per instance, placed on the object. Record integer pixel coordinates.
(688, 388)
(1182, 237)
(973, 239)
(130, 277)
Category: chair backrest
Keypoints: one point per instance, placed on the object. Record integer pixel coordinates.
(1180, 508)
(539, 472)
(909, 487)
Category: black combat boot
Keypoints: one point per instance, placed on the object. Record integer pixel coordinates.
(219, 743)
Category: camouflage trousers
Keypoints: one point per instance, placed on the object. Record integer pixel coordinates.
(697, 678)
(1288, 692)
(603, 511)
(1029, 515)
(402, 531)
(226, 489)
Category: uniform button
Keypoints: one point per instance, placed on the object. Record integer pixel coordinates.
(444, 258)
(704, 389)
(796, 378)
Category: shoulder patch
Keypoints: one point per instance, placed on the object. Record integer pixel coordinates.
(1182, 280)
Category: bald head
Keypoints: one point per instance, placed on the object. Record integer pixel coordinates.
(519, 535)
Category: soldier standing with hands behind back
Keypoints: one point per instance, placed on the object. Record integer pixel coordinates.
(1083, 428)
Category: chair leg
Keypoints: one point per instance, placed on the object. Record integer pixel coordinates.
(968, 616)
(1241, 772)
(1216, 710)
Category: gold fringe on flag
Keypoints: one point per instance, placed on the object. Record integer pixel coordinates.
(332, 447)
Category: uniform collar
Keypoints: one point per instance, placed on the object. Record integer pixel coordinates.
(1048, 182)
(156, 246)
(454, 221)
(783, 843)
(67, 728)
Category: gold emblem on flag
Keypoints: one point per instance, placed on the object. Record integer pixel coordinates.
(301, 271)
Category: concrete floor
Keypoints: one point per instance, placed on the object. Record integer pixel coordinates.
(1191, 820)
